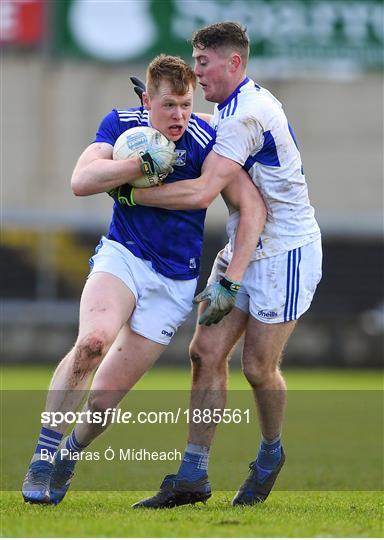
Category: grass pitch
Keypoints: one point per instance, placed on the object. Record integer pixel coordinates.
(284, 514)
(160, 378)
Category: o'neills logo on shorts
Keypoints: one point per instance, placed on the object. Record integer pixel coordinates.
(168, 334)
(267, 314)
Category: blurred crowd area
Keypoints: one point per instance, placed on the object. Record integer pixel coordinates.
(66, 64)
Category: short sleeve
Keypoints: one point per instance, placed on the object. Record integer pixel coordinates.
(108, 131)
(203, 138)
(238, 138)
(207, 149)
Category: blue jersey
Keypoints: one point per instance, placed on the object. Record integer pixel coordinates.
(171, 239)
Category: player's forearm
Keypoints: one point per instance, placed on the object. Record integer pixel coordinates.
(182, 195)
(251, 224)
(217, 173)
(102, 175)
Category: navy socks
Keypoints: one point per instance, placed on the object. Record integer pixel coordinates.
(72, 445)
(47, 444)
(268, 457)
(195, 462)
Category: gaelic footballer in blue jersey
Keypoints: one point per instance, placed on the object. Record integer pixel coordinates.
(170, 239)
(143, 275)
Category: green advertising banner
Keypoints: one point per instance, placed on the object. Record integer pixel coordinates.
(282, 32)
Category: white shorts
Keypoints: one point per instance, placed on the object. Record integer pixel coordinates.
(162, 304)
(277, 289)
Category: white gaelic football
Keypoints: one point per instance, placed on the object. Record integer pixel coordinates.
(134, 142)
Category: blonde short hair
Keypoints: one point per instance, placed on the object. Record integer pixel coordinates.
(173, 70)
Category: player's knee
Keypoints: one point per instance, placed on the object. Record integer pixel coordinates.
(199, 354)
(89, 351)
(259, 373)
(205, 358)
(101, 402)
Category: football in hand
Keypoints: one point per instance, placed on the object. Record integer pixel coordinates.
(137, 141)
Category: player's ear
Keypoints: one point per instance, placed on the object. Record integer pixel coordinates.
(146, 101)
(234, 61)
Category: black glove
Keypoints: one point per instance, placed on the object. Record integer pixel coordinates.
(139, 87)
(123, 195)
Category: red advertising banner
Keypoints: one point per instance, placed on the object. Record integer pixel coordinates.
(21, 21)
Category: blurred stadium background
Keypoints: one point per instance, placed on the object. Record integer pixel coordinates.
(65, 64)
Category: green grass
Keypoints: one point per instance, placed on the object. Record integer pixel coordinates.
(285, 514)
(160, 378)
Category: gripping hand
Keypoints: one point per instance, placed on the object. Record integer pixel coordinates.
(221, 296)
(158, 159)
(123, 195)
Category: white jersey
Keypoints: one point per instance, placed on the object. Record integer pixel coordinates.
(253, 130)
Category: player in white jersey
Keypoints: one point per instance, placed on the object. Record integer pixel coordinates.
(252, 134)
(253, 131)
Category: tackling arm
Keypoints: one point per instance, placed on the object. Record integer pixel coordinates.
(243, 194)
(217, 173)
